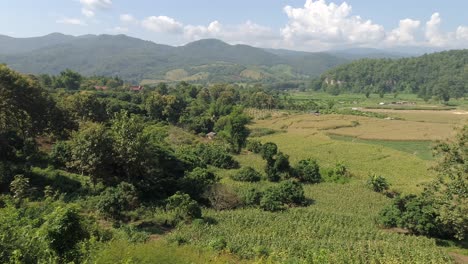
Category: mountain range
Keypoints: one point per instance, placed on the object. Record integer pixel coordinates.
(208, 60)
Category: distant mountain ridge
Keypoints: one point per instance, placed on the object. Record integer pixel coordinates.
(207, 60)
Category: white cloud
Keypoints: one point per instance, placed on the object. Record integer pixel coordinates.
(405, 34)
(434, 35)
(127, 18)
(87, 12)
(71, 21)
(96, 4)
(462, 33)
(162, 24)
(245, 33)
(318, 25)
(90, 6)
(326, 23)
(213, 30)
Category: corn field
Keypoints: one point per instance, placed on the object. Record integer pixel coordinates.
(338, 227)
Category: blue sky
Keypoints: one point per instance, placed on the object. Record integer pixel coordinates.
(296, 24)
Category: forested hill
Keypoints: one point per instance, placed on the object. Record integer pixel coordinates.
(135, 59)
(443, 74)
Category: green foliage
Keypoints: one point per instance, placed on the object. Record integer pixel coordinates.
(268, 151)
(70, 80)
(115, 201)
(20, 187)
(198, 181)
(209, 154)
(308, 171)
(377, 183)
(90, 151)
(437, 74)
(63, 229)
(252, 197)
(184, 208)
(254, 146)
(339, 174)
(60, 154)
(271, 200)
(286, 193)
(247, 174)
(233, 128)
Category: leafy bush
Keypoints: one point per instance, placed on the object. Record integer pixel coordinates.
(60, 154)
(115, 201)
(20, 187)
(271, 200)
(308, 171)
(286, 193)
(184, 208)
(254, 146)
(63, 230)
(416, 214)
(338, 174)
(247, 174)
(292, 192)
(198, 181)
(378, 183)
(251, 197)
(210, 154)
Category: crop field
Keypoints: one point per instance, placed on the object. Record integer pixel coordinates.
(339, 225)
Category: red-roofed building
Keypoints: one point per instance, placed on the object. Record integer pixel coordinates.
(136, 88)
(101, 88)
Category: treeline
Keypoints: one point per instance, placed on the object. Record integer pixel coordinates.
(441, 75)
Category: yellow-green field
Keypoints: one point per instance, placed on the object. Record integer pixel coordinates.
(339, 225)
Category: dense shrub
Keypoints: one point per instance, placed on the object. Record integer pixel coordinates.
(198, 181)
(183, 207)
(292, 192)
(251, 197)
(247, 174)
(115, 201)
(63, 229)
(308, 171)
(60, 154)
(271, 200)
(285, 193)
(378, 183)
(416, 214)
(215, 155)
(254, 146)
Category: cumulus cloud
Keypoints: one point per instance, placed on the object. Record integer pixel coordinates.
(318, 21)
(462, 33)
(90, 6)
(127, 18)
(434, 35)
(317, 25)
(71, 21)
(405, 33)
(162, 24)
(248, 32)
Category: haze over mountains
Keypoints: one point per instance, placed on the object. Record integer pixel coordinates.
(134, 59)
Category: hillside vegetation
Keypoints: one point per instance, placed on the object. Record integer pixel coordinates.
(443, 75)
(135, 59)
